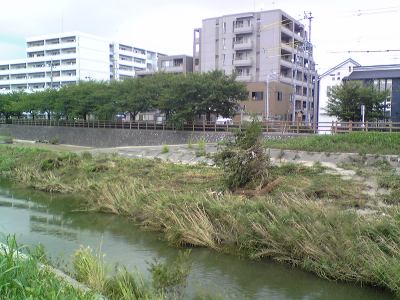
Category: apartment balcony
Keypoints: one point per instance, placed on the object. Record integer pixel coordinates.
(287, 31)
(286, 79)
(243, 29)
(15, 81)
(245, 45)
(243, 62)
(37, 80)
(287, 63)
(173, 69)
(244, 77)
(287, 46)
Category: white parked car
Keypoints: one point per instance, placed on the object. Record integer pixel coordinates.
(224, 121)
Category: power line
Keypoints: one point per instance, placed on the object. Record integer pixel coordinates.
(366, 51)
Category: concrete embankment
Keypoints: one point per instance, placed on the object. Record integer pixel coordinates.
(109, 137)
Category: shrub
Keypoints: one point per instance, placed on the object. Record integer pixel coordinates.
(244, 160)
(54, 141)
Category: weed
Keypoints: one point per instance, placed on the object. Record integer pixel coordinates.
(54, 141)
(171, 278)
(281, 154)
(164, 149)
(190, 143)
(201, 148)
(87, 155)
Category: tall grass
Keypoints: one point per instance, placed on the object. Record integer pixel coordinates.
(22, 278)
(333, 243)
(356, 142)
(168, 279)
(188, 205)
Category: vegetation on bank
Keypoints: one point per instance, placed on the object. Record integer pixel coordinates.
(5, 139)
(180, 97)
(29, 276)
(21, 277)
(303, 216)
(356, 142)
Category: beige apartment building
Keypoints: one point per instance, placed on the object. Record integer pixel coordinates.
(270, 52)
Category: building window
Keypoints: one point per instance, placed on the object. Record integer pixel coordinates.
(257, 96)
(279, 96)
(224, 27)
(349, 68)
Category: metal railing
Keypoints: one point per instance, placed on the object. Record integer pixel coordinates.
(278, 127)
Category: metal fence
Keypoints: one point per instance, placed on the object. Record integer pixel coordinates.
(268, 126)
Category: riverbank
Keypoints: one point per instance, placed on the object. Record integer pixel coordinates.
(316, 226)
(25, 277)
(27, 274)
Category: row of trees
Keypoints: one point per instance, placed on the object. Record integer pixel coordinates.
(180, 97)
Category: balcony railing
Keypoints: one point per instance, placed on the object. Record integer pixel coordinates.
(243, 29)
(243, 62)
(242, 45)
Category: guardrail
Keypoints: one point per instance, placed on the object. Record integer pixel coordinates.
(281, 127)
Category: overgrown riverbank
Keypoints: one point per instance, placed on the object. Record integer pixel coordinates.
(27, 274)
(315, 226)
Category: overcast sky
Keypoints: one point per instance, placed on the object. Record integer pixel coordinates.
(167, 26)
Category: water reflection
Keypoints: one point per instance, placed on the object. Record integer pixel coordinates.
(54, 222)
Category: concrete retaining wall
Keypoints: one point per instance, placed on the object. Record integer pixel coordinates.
(107, 137)
(100, 137)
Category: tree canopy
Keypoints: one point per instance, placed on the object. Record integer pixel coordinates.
(345, 102)
(181, 97)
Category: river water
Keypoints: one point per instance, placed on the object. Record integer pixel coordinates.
(54, 222)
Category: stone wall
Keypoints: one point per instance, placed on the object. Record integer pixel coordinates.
(107, 137)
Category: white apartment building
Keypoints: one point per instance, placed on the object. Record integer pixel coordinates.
(331, 78)
(126, 60)
(267, 50)
(60, 59)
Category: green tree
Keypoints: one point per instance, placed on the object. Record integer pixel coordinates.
(134, 95)
(346, 99)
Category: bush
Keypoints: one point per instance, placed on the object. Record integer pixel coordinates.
(244, 160)
(54, 141)
(164, 149)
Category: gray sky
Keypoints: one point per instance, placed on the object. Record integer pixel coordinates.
(167, 26)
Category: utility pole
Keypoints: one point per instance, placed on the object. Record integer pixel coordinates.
(309, 50)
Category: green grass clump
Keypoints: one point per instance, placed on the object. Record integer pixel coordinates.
(22, 278)
(356, 142)
(168, 278)
(164, 149)
(201, 148)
